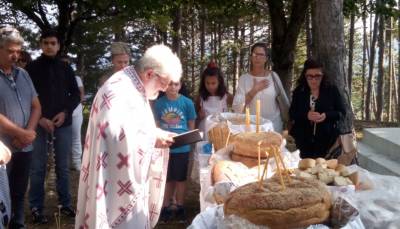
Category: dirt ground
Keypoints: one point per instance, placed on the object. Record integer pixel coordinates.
(192, 197)
(192, 207)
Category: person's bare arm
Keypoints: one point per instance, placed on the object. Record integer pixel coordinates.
(36, 113)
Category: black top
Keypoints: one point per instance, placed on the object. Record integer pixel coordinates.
(55, 83)
(329, 102)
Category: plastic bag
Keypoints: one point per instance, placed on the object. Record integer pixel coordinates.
(377, 199)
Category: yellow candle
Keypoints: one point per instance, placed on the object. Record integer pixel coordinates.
(247, 118)
(258, 116)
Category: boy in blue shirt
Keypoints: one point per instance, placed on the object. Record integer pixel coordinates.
(176, 113)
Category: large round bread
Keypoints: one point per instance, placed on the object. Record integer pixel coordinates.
(228, 171)
(246, 143)
(248, 161)
(304, 202)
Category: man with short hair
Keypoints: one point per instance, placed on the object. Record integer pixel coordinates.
(58, 92)
(120, 58)
(19, 114)
(125, 156)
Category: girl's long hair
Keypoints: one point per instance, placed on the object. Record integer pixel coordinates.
(212, 70)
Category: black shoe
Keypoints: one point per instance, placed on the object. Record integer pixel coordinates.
(166, 214)
(180, 214)
(68, 211)
(14, 225)
(38, 217)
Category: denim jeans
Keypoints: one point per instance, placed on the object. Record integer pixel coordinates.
(76, 141)
(62, 152)
(18, 176)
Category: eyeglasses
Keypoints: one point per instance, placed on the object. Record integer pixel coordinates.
(258, 55)
(163, 80)
(314, 77)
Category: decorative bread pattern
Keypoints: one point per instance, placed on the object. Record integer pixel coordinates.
(246, 144)
(304, 202)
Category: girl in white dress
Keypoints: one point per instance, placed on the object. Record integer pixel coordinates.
(213, 96)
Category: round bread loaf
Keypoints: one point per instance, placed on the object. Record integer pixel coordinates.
(248, 161)
(304, 202)
(228, 171)
(246, 144)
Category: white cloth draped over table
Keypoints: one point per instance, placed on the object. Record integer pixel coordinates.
(122, 178)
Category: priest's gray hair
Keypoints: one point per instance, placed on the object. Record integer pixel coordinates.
(162, 60)
(9, 34)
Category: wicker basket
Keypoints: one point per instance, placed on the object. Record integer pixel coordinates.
(218, 135)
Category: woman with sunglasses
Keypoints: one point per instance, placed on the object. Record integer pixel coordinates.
(264, 85)
(316, 111)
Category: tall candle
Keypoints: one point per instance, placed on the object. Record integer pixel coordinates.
(247, 118)
(258, 116)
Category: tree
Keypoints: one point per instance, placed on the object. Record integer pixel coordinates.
(285, 31)
(328, 47)
(67, 14)
(380, 77)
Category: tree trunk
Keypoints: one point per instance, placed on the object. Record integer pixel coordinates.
(241, 55)
(251, 31)
(398, 67)
(388, 95)
(176, 27)
(284, 36)
(192, 54)
(202, 38)
(308, 33)
(380, 81)
(219, 42)
(235, 55)
(351, 49)
(371, 69)
(364, 58)
(329, 48)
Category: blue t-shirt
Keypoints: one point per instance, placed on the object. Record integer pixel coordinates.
(173, 115)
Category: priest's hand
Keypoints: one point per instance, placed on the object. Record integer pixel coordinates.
(164, 139)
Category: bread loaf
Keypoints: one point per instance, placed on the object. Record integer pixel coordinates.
(228, 171)
(246, 144)
(218, 135)
(306, 163)
(248, 161)
(304, 202)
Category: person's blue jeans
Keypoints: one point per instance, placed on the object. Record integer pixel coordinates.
(18, 176)
(62, 151)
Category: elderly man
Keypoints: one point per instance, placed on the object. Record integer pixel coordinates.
(126, 157)
(19, 114)
(120, 57)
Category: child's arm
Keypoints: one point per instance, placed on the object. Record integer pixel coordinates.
(191, 124)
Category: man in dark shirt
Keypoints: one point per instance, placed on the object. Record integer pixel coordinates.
(55, 83)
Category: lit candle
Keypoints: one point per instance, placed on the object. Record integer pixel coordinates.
(258, 116)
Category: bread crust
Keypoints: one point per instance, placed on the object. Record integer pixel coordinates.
(246, 144)
(302, 203)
